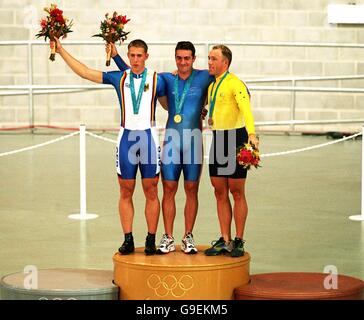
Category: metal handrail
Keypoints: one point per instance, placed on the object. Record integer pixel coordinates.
(305, 122)
(32, 89)
(24, 89)
(313, 78)
(209, 43)
(306, 89)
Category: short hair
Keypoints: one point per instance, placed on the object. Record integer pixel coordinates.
(226, 52)
(185, 45)
(139, 44)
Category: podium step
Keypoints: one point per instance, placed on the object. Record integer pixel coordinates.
(179, 276)
(59, 284)
(300, 286)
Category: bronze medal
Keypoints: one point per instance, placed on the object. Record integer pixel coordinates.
(177, 118)
(210, 122)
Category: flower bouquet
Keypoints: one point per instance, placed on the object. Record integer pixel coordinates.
(248, 155)
(112, 30)
(54, 25)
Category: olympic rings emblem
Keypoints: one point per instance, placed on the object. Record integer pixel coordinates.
(169, 284)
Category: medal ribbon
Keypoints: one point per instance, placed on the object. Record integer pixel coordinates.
(137, 101)
(179, 103)
(213, 101)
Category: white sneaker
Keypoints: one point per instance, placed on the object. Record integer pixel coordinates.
(166, 245)
(229, 245)
(188, 244)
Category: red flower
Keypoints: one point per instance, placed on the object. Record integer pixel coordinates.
(255, 161)
(43, 23)
(124, 20)
(60, 19)
(247, 156)
(56, 12)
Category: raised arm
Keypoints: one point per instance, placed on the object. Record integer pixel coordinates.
(77, 67)
(117, 59)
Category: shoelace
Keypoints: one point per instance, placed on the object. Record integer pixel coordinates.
(127, 244)
(239, 241)
(214, 242)
(189, 241)
(128, 241)
(165, 240)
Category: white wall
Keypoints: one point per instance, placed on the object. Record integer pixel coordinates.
(194, 20)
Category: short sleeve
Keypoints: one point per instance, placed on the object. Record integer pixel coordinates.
(161, 85)
(112, 77)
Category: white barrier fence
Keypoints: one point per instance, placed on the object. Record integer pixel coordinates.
(83, 215)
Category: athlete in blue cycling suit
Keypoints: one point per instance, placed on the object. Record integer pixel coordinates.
(138, 144)
(182, 151)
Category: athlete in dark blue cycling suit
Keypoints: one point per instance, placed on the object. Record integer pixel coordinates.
(182, 151)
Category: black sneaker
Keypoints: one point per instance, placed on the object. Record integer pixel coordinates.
(128, 244)
(150, 247)
(218, 247)
(238, 248)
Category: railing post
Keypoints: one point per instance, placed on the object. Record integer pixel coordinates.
(361, 216)
(207, 47)
(83, 215)
(293, 105)
(30, 83)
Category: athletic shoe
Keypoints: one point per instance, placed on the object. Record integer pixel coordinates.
(188, 244)
(238, 248)
(218, 247)
(150, 247)
(128, 244)
(166, 245)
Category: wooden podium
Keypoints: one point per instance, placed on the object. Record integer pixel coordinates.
(299, 286)
(179, 276)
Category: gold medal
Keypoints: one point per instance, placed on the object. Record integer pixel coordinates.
(210, 122)
(177, 118)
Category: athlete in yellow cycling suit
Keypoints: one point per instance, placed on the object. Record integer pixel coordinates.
(232, 106)
(232, 124)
